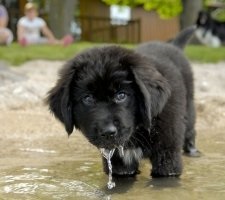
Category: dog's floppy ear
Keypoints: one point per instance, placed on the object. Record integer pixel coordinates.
(155, 90)
(59, 98)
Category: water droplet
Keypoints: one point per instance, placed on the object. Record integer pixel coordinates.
(107, 154)
(121, 150)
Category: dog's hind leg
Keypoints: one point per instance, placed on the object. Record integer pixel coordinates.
(120, 168)
(190, 134)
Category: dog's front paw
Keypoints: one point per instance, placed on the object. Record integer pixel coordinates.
(156, 174)
(192, 152)
(125, 173)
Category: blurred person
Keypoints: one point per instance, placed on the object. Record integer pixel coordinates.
(6, 36)
(30, 27)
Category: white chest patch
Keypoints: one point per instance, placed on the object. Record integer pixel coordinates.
(130, 155)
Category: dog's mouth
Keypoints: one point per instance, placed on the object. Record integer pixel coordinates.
(109, 143)
(115, 143)
(105, 151)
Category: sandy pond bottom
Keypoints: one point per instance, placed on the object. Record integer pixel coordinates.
(38, 161)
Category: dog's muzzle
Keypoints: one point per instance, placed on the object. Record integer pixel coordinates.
(108, 132)
(108, 136)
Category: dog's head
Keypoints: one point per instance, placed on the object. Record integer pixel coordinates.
(107, 93)
(204, 19)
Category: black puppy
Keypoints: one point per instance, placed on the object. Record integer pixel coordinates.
(141, 100)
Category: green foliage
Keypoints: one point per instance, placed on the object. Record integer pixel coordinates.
(208, 2)
(219, 14)
(165, 8)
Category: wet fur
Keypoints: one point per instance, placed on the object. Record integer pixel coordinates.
(157, 119)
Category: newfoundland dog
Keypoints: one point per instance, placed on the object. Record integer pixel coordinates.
(139, 99)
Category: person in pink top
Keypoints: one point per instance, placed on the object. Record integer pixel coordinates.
(30, 27)
(6, 36)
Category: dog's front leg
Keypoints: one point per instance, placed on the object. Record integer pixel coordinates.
(119, 167)
(166, 163)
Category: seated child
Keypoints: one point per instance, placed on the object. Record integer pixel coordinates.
(31, 26)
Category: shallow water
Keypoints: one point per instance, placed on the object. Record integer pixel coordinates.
(47, 165)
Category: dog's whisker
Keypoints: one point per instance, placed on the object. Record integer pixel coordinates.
(137, 141)
(131, 143)
(145, 139)
(140, 141)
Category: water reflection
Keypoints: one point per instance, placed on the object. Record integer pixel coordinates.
(123, 186)
(74, 171)
(39, 182)
(161, 183)
(37, 150)
(203, 177)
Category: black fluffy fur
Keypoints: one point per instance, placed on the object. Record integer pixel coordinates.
(140, 99)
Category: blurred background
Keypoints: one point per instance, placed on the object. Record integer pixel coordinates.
(121, 21)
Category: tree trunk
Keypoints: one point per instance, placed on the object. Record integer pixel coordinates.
(190, 12)
(61, 15)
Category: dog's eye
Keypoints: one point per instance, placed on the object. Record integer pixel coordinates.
(120, 97)
(89, 100)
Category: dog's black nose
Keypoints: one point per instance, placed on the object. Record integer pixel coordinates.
(109, 131)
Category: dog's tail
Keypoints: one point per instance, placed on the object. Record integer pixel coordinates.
(184, 36)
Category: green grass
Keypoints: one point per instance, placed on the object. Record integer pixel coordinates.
(16, 55)
(205, 54)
